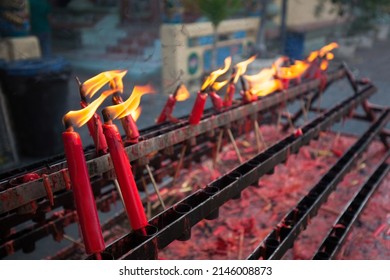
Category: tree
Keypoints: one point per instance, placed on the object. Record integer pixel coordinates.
(217, 11)
(362, 12)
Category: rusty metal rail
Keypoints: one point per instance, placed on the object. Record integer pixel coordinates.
(283, 236)
(342, 226)
(12, 197)
(175, 223)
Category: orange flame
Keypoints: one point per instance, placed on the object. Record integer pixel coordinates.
(328, 48)
(92, 85)
(136, 113)
(80, 117)
(266, 87)
(214, 75)
(294, 71)
(131, 104)
(323, 52)
(241, 68)
(218, 85)
(117, 83)
(182, 93)
(263, 75)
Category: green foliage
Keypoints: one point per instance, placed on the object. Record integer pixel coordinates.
(218, 10)
(362, 12)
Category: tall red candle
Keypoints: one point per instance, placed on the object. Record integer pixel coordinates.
(131, 198)
(96, 131)
(82, 192)
(197, 110)
(216, 100)
(228, 100)
(167, 110)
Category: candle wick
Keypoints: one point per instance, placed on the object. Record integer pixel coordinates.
(106, 116)
(68, 124)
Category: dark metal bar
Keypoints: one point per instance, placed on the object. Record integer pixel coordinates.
(339, 232)
(22, 194)
(52, 226)
(204, 203)
(282, 238)
(40, 230)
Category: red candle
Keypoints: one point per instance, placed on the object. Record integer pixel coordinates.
(197, 110)
(248, 97)
(168, 109)
(128, 123)
(96, 131)
(131, 198)
(131, 129)
(82, 192)
(228, 100)
(285, 82)
(216, 100)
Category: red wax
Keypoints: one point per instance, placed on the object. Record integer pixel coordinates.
(216, 100)
(128, 123)
(82, 193)
(248, 97)
(228, 100)
(197, 110)
(131, 129)
(168, 109)
(96, 131)
(131, 198)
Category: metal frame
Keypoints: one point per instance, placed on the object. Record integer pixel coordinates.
(282, 237)
(342, 226)
(176, 222)
(155, 139)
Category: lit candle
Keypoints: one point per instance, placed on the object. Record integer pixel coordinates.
(82, 192)
(181, 93)
(167, 110)
(131, 129)
(228, 99)
(216, 100)
(131, 198)
(128, 123)
(197, 110)
(94, 124)
(96, 131)
(77, 167)
(248, 97)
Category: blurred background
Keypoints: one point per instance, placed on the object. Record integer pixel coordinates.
(45, 44)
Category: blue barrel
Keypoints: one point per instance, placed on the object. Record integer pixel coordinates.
(295, 45)
(36, 92)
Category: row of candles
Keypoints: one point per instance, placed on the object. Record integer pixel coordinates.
(107, 138)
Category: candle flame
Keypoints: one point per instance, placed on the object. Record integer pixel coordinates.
(136, 113)
(264, 75)
(182, 93)
(266, 88)
(293, 71)
(80, 117)
(131, 104)
(241, 68)
(92, 85)
(218, 85)
(323, 52)
(263, 82)
(214, 75)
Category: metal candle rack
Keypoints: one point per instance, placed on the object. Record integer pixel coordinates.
(176, 222)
